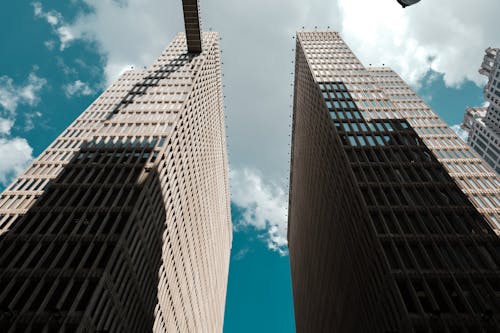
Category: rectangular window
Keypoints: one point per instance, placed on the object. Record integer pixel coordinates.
(370, 140)
(406, 295)
(379, 140)
(361, 140)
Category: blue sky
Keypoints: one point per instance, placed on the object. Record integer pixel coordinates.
(58, 56)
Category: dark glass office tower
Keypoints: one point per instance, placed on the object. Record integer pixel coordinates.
(384, 233)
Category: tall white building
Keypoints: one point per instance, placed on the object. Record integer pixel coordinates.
(123, 223)
(484, 127)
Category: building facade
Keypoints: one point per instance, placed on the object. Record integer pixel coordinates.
(123, 223)
(484, 127)
(393, 220)
(473, 114)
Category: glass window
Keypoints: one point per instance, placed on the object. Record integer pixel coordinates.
(478, 200)
(346, 127)
(370, 140)
(361, 140)
(379, 140)
(352, 141)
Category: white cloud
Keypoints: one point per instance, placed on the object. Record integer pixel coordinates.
(49, 44)
(6, 126)
(462, 134)
(65, 36)
(77, 88)
(29, 120)
(55, 20)
(130, 33)
(264, 207)
(16, 155)
(52, 17)
(12, 95)
(447, 36)
(37, 7)
(241, 254)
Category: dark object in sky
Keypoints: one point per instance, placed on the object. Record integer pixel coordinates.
(406, 3)
(192, 24)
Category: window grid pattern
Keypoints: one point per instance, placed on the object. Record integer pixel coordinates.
(484, 134)
(379, 93)
(411, 198)
(123, 223)
(382, 237)
(462, 162)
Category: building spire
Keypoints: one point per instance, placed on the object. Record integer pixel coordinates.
(192, 24)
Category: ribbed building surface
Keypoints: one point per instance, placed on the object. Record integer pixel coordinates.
(123, 223)
(392, 218)
(484, 129)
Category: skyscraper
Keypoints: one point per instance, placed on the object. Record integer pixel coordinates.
(123, 223)
(392, 219)
(484, 127)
